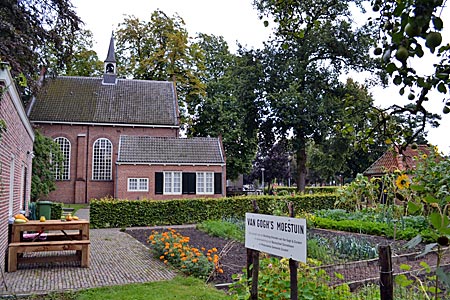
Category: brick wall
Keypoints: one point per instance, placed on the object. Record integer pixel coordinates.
(146, 171)
(16, 147)
(80, 188)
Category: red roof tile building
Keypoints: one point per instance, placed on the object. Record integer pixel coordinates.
(392, 160)
(120, 138)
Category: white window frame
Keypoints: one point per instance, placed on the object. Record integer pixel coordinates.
(102, 162)
(205, 183)
(172, 183)
(141, 184)
(66, 147)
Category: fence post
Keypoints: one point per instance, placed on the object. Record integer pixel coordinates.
(386, 275)
(293, 265)
(253, 264)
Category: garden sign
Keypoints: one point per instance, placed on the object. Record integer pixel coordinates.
(281, 236)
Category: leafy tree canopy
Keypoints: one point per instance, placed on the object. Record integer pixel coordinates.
(26, 27)
(160, 49)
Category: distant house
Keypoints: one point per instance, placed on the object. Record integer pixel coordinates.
(16, 151)
(392, 160)
(119, 135)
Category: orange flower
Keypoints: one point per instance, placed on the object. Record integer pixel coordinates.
(203, 248)
(161, 257)
(195, 260)
(165, 262)
(220, 271)
(214, 249)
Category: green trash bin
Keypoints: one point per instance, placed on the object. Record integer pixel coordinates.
(44, 208)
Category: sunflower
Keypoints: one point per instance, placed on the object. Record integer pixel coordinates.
(402, 182)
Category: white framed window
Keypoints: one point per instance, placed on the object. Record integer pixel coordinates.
(205, 183)
(172, 183)
(138, 184)
(102, 160)
(63, 172)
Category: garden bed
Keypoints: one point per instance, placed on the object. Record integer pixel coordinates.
(233, 259)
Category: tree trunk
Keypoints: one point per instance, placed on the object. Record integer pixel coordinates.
(301, 168)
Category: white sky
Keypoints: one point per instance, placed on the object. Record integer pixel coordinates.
(236, 21)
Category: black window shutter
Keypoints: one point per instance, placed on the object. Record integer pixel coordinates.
(159, 179)
(217, 183)
(189, 181)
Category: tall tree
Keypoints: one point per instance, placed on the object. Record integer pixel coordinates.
(315, 41)
(231, 105)
(81, 60)
(26, 27)
(160, 49)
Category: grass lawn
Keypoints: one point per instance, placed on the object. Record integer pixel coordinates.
(75, 206)
(179, 288)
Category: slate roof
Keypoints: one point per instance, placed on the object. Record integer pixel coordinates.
(87, 100)
(391, 160)
(168, 150)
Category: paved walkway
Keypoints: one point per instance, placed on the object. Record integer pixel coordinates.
(116, 259)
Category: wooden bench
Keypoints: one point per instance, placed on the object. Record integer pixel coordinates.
(80, 246)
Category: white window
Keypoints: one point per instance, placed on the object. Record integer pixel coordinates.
(63, 173)
(205, 183)
(102, 160)
(172, 183)
(138, 184)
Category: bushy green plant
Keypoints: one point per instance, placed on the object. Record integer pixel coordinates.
(274, 283)
(222, 229)
(171, 247)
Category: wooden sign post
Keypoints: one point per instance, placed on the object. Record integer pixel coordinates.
(280, 236)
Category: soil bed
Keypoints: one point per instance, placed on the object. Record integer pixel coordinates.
(234, 258)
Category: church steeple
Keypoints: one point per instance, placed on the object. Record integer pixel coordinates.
(110, 74)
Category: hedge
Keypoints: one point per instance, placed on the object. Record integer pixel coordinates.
(309, 189)
(114, 213)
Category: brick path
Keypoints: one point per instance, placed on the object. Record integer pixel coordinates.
(116, 259)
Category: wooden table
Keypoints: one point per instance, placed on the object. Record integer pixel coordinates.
(57, 239)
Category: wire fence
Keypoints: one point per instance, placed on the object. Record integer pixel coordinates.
(413, 274)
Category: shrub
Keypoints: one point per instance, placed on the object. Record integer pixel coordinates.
(274, 283)
(222, 229)
(173, 248)
(108, 212)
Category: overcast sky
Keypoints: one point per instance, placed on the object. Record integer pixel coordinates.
(236, 21)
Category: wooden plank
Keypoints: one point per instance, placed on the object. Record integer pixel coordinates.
(12, 259)
(85, 253)
(82, 248)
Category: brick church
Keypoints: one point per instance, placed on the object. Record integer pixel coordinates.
(120, 138)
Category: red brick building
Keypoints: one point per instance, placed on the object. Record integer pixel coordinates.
(16, 148)
(95, 119)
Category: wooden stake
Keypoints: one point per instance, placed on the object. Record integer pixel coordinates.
(386, 275)
(293, 265)
(253, 264)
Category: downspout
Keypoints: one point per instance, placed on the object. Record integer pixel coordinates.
(88, 142)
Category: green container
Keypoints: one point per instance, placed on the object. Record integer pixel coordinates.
(44, 208)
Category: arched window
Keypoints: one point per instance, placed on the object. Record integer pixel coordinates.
(63, 172)
(102, 160)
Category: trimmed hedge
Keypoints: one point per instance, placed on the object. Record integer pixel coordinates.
(309, 189)
(114, 213)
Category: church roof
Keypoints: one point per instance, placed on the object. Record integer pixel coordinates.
(392, 160)
(170, 150)
(87, 100)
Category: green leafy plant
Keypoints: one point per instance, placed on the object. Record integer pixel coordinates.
(222, 229)
(171, 247)
(274, 283)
